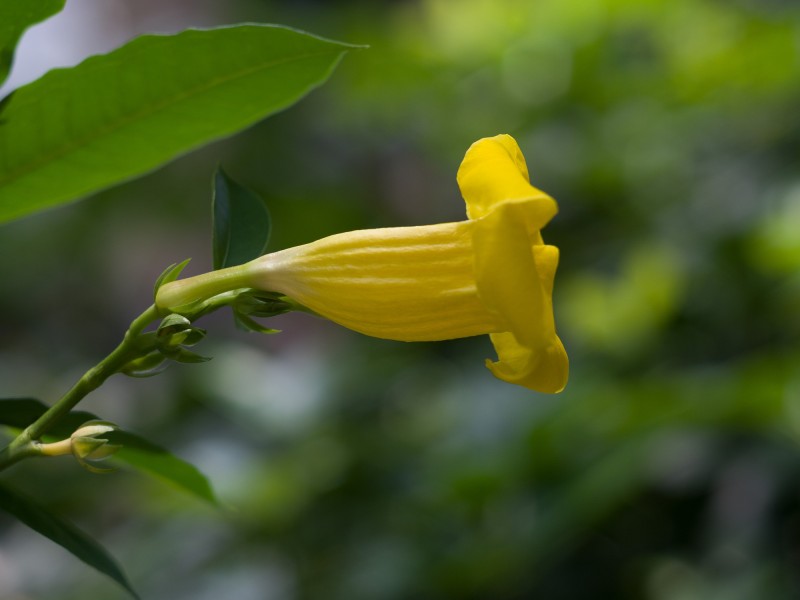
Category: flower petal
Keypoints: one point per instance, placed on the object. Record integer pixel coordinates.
(400, 283)
(515, 280)
(494, 171)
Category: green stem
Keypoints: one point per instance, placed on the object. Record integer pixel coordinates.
(182, 292)
(132, 346)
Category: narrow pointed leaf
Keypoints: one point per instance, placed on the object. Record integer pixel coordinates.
(156, 460)
(62, 532)
(136, 451)
(118, 115)
(21, 412)
(241, 223)
(15, 17)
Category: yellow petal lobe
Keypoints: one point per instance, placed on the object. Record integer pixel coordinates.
(494, 171)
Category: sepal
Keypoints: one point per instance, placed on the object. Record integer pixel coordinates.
(88, 447)
(170, 274)
(245, 323)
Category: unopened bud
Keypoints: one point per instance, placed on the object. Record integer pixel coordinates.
(88, 446)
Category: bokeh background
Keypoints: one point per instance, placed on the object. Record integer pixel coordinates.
(356, 468)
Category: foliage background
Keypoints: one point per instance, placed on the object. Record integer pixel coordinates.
(360, 468)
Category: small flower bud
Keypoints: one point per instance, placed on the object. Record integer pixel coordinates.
(87, 446)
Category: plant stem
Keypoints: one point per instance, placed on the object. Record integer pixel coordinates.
(202, 287)
(132, 346)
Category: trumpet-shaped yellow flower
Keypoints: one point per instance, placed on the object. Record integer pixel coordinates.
(491, 274)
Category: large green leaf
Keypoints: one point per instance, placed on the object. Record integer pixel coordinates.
(15, 17)
(21, 412)
(136, 451)
(156, 460)
(62, 532)
(241, 223)
(118, 115)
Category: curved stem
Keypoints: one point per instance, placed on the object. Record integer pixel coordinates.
(182, 292)
(132, 346)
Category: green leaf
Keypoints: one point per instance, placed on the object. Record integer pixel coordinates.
(62, 532)
(3, 103)
(21, 412)
(146, 456)
(116, 116)
(136, 452)
(241, 223)
(15, 17)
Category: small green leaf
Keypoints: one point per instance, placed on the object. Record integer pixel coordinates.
(170, 274)
(147, 456)
(15, 17)
(62, 532)
(119, 115)
(241, 223)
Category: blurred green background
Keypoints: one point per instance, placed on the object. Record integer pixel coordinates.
(356, 468)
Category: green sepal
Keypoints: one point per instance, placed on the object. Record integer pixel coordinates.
(245, 323)
(83, 446)
(170, 274)
(100, 443)
(262, 304)
(194, 336)
(146, 366)
(176, 330)
(173, 324)
(182, 355)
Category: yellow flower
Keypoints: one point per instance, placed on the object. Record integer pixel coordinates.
(491, 274)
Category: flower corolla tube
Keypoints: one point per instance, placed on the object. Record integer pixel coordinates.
(491, 274)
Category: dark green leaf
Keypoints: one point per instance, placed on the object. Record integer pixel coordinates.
(62, 532)
(146, 456)
(119, 115)
(137, 451)
(21, 412)
(15, 17)
(3, 103)
(170, 274)
(241, 222)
